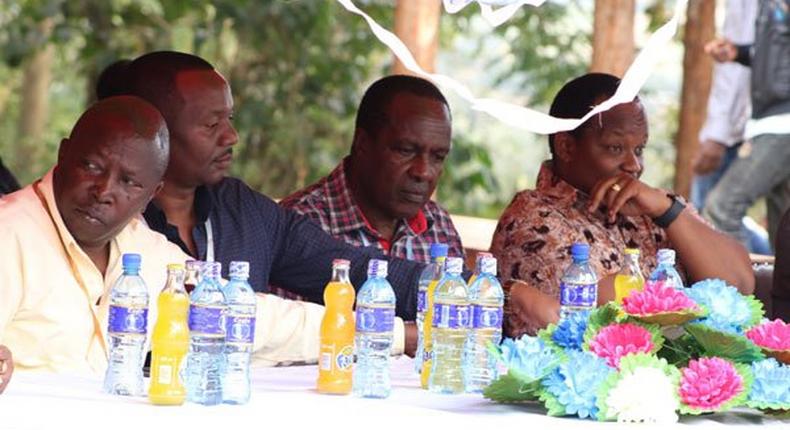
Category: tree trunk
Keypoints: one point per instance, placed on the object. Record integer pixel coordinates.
(417, 25)
(35, 106)
(697, 74)
(613, 36)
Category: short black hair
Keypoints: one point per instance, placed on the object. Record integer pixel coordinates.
(371, 114)
(112, 80)
(153, 77)
(579, 96)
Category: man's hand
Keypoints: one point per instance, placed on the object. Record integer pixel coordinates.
(530, 310)
(6, 367)
(627, 195)
(722, 50)
(410, 338)
(709, 157)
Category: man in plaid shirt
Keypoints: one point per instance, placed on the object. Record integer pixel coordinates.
(380, 194)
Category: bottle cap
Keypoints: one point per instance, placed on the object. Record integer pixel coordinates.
(239, 270)
(488, 265)
(175, 266)
(439, 250)
(131, 261)
(666, 255)
(580, 251)
(377, 268)
(210, 269)
(631, 251)
(339, 262)
(454, 265)
(193, 265)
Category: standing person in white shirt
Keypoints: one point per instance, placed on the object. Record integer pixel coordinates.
(761, 167)
(729, 107)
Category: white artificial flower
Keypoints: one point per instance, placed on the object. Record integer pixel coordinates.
(632, 401)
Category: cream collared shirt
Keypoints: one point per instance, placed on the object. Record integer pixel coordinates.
(46, 317)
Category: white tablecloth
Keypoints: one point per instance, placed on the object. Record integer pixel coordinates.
(285, 397)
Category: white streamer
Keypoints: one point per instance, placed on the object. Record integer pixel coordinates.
(494, 17)
(525, 118)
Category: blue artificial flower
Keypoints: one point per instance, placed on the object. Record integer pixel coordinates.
(728, 310)
(569, 333)
(529, 357)
(771, 386)
(574, 384)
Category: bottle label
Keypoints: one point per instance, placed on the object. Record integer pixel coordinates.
(578, 295)
(207, 319)
(421, 305)
(240, 329)
(486, 316)
(343, 360)
(375, 320)
(165, 374)
(128, 320)
(451, 316)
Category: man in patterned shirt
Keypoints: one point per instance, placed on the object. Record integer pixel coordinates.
(590, 192)
(380, 194)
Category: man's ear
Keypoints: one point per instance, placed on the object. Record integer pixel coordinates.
(62, 149)
(564, 146)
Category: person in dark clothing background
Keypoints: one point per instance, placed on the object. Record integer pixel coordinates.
(8, 183)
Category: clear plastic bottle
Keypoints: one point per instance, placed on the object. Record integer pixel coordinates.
(206, 338)
(666, 272)
(374, 326)
(170, 341)
(431, 273)
(192, 276)
(451, 321)
(240, 334)
(629, 278)
(487, 299)
(336, 351)
(579, 284)
(127, 330)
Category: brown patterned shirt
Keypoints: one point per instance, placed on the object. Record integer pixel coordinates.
(533, 238)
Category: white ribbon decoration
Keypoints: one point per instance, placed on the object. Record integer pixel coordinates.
(525, 118)
(494, 17)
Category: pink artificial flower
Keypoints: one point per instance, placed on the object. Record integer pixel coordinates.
(657, 298)
(771, 335)
(708, 383)
(618, 340)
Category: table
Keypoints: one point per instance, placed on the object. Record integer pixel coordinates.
(284, 397)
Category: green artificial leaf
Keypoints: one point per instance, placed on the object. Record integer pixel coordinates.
(603, 316)
(726, 345)
(679, 351)
(509, 388)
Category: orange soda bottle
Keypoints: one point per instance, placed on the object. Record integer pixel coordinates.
(336, 356)
(170, 341)
(629, 278)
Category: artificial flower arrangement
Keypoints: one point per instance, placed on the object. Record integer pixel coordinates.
(663, 352)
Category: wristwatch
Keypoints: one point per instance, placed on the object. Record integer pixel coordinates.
(666, 218)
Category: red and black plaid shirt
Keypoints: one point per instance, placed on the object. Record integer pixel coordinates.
(329, 203)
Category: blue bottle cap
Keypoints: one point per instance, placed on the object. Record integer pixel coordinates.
(454, 265)
(131, 261)
(580, 251)
(377, 268)
(239, 270)
(439, 250)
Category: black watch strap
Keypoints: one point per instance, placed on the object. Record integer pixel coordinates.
(666, 218)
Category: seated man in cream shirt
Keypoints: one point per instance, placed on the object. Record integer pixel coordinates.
(63, 237)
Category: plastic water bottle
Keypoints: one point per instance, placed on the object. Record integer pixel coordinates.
(206, 338)
(487, 299)
(431, 273)
(240, 334)
(451, 320)
(374, 325)
(666, 272)
(579, 284)
(192, 276)
(127, 329)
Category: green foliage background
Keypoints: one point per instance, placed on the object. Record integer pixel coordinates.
(297, 69)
